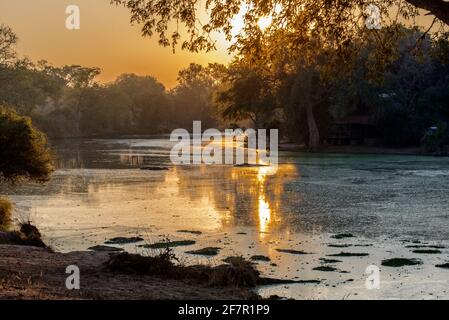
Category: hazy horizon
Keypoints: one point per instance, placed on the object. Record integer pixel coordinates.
(106, 40)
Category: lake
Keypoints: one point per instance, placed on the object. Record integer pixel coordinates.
(391, 204)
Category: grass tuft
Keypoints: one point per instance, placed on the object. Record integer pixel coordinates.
(6, 209)
(237, 273)
(28, 235)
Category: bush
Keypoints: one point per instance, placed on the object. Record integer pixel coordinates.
(28, 235)
(5, 214)
(31, 235)
(24, 152)
(238, 272)
(160, 265)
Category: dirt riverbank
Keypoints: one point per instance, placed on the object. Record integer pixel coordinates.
(34, 273)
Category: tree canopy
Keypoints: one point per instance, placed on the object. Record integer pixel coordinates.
(8, 39)
(332, 22)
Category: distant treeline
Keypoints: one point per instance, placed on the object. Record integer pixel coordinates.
(400, 89)
(67, 102)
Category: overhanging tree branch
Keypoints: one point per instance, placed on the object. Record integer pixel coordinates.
(439, 8)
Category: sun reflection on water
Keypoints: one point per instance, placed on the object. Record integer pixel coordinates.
(264, 209)
(116, 196)
(264, 216)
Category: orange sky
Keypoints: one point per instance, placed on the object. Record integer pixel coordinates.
(106, 39)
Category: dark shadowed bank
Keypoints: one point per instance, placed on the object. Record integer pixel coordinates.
(38, 273)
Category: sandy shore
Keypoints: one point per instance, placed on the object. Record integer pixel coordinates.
(33, 273)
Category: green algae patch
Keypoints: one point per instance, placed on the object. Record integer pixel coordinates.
(290, 251)
(209, 251)
(342, 236)
(324, 260)
(400, 262)
(427, 251)
(325, 269)
(197, 233)
(339, 245)
(260, 258)
(425, 246)
(348, 254)
(168, 244)
(123, 240)
(105, 249)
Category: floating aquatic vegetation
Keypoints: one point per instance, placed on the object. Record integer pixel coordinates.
(339, 245)
(443, 266)
(348, 254)
(260, 258)
(290, 251)
(400, 262)
(209, 251)
(325, 269)
(324, 260)
(123, 240)
(427, 251)
(191, 232)
(168, 244)
(342, 236)
(105, 249)
(425, 246)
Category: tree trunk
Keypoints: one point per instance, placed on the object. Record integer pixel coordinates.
(314, 134)
(78, 114)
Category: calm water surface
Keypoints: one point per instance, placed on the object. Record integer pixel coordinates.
(99, 192)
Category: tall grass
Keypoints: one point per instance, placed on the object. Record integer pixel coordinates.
(5, 214)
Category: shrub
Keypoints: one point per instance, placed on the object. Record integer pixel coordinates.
(5, 214)
(28, 235)
(239, 272)
(31, 235)
(24, 152)
(160, 265)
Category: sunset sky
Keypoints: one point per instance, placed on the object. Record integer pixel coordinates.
(106, 39)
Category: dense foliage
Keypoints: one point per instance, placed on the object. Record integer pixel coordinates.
(24, 152)
(67, 102)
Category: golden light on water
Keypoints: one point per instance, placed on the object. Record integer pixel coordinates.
(264, 215)
(263, 205)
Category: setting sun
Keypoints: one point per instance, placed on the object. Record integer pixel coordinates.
(238, 22)
(264, 22)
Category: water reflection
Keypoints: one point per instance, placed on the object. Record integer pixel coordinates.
(244, 196)
(264, 206)
(98, 186)
(99, 192)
